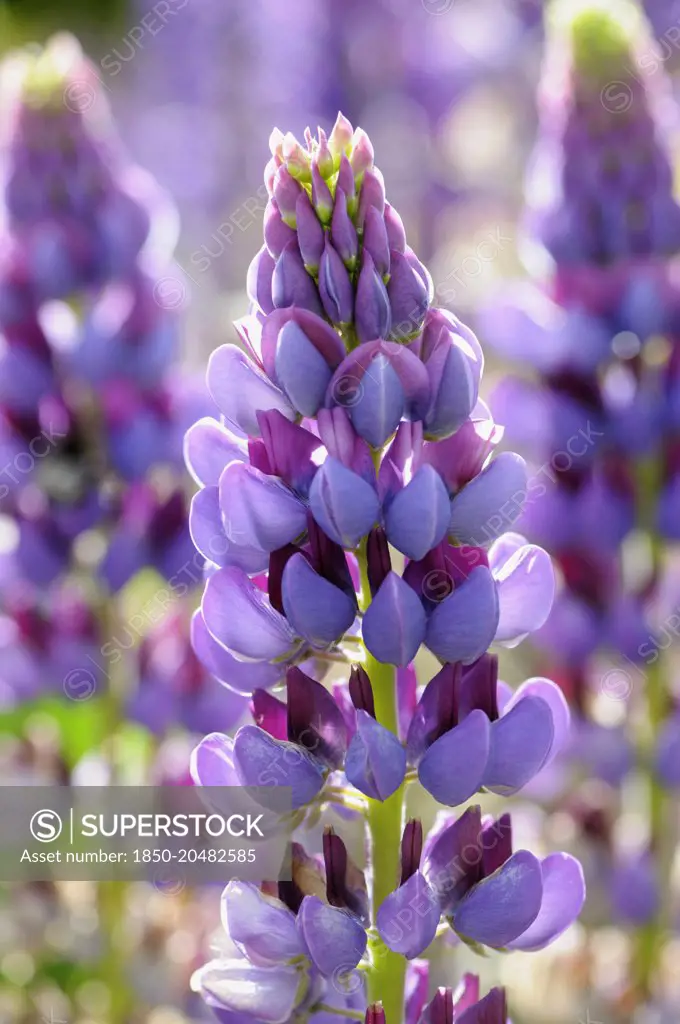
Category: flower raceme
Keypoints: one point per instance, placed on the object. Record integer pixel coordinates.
(352, 510)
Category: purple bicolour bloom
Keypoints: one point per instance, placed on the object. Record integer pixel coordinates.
(296, 744)
(310, 604)
(468, 733)
(492, 897)
(291, 951)
(464, 1005)
(375, 762)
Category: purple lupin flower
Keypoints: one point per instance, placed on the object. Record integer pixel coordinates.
(351, 422)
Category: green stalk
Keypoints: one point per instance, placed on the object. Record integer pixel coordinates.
(111, 896)
(650, 938)
(387, 973)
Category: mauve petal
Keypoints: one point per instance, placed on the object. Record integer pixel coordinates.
(476, 510)
(263, 928)
(417, 518)
(408, 295)
(238, 614)
(407, 920)
(526, 590)
(564, 893)
(520, 744)
(464, 624)
(258, 510)
(212, 761)
(452, 857)
(467, 993)
(394, 623)
(372, 314)
(503, 549)
(551, 693)
(502, 906)
(375, 240)
(492, 1009)
(376, 761)
(241, 676)
(259, 280)
(454, 373)
(301, 369)
(318, 332)
(292, 285)
(207, 533)
(335, 287)
(270, 714)
(379, 402)
(453, 768)
(317, 610)
(240, 390)
(344, 505)
(267, 995)
(334, 938)
(208, 448)
(260, 760)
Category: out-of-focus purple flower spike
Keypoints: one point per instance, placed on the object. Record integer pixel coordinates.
(375, 1014)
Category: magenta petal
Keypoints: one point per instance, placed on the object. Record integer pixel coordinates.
(564, 893)
(334, 938)
(208, 448)
(407, 920)
(394, 623)
(453, 768)
(238, 614)
(520, 744)
(501, 907)
(241, 390)
(464, 624)
(492, 1009)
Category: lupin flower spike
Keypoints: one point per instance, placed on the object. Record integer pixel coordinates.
(351, 424)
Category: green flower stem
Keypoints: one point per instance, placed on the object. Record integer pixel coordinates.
(650, 938)
(387, 974)
(111, 896)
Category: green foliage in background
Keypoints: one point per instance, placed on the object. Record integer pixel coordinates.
(26, 21)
